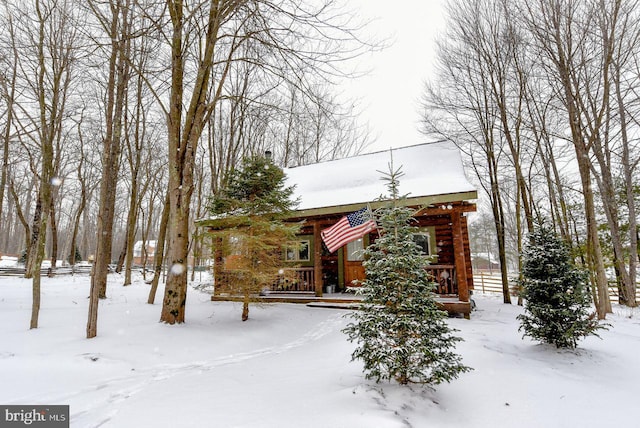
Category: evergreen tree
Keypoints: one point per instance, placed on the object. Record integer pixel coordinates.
(400, 331)
(251, 211)
(76, 257)
(23, 257)
(557, 298)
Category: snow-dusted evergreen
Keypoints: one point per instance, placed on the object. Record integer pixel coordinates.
(557, 300)
(400, 332)
(251, 213)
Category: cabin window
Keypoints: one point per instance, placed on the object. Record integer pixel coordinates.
(299, 252)
(355, 250)
(422, 241)
(425, 240)
(235, 245)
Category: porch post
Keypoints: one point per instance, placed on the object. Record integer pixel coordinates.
(217, 265)
(460, 261)
(317, 259)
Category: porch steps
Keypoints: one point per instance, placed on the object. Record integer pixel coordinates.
(299, 297)
(334, 305)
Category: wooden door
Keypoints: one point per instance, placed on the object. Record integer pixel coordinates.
(353, 256)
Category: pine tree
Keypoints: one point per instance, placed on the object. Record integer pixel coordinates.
(400, 331)
(251, 212)
(557, 298)
(76, 257)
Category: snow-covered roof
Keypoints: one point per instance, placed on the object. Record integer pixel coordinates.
(429, 170)
(138, 245)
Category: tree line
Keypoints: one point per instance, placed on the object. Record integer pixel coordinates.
(542, 98)
(120, 118)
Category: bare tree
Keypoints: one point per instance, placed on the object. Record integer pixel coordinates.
(561, 30)
(8, 79)
(524, 82)
(463, 107)
(21, 213)
(222, 27)
(116, 23)
(621, 29)
(46, 38)
(138, 135)
(159, 251)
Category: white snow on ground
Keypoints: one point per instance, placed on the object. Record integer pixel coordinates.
(289, 366)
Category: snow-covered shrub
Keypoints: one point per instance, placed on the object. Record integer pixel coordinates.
(556, 293)
(400, 331)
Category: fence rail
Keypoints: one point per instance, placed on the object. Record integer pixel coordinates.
(488, 282)
(492, 283)
(66, 270)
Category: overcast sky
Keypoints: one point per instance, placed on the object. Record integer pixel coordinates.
(390, 94)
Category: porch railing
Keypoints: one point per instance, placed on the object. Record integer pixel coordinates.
(295, 279)
(302, 279)
(445, 277)
(290, 280)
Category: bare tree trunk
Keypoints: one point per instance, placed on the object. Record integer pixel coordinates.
(52, 79)
(132, 218)
(8, 93)
(555, 25)
(82, 203)
(37, 230)
(21, 216)
(4, 167)
(245, 305)
(594, 250)
(498, 215)
(556, 192)
(116, 90)
(145, 238)
(158, 259)
(121, 257)
(628, 296)
(37, 249)
(53, 226)
(135, 157)
(184, 133)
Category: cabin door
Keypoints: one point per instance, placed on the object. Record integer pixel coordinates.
(353, 256)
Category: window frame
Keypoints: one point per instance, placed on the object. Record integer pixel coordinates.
(358, 253)
(298, 248)
(430, 233)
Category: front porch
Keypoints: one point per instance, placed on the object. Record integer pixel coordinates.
(451, 304)
(298, 285)
(302, 279)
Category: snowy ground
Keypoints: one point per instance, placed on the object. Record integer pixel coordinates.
(289, 367)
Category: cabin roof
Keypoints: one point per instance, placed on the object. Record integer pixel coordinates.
(138, 245)
(433, 173)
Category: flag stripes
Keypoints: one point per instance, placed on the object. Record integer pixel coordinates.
(347, 229)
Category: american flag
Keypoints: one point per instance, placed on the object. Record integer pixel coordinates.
(347, 229)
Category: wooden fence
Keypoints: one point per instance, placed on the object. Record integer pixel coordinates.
(65, 270)
(485, 282)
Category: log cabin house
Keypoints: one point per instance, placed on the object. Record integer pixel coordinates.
(436, 187)
(144, 253)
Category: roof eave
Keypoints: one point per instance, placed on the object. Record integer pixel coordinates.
(410, 201)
